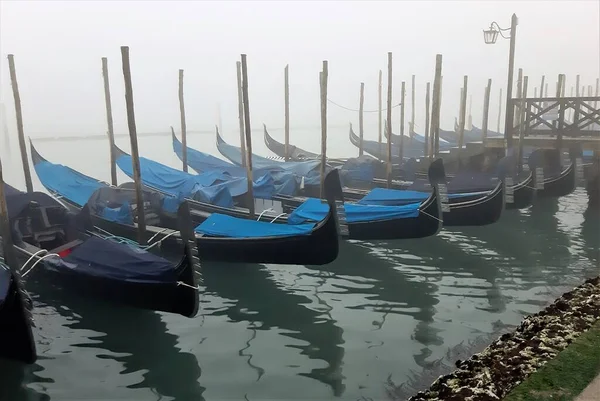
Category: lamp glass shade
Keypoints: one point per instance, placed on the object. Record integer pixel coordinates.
(490, 36)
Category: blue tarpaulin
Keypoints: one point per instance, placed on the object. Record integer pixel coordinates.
(106, 259)
(67, 182)
(314, 210)
(394, 197)
(220, 225)
(204, 188)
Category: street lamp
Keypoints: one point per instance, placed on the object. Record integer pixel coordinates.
(490, 36)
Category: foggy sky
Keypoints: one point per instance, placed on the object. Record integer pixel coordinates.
(58, 48)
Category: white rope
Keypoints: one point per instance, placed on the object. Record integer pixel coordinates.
(282, 214)
(155, 235)
(39, 260)
(160, 240)
(433, 217)
(189, 286)
(263, 212)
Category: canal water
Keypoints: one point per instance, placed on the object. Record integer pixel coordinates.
(382, 313)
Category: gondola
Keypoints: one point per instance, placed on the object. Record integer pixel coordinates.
(63, 249)
(219, 237)
(16, 337)
(556, 181)
(294, 152)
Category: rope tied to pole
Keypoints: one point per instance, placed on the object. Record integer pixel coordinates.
(356, 110)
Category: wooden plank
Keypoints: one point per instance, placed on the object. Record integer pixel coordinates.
(183, 125)
(248, 135)
(324, 76)
(19, 113)
(109, 123)
(135, 156)
(287, 111)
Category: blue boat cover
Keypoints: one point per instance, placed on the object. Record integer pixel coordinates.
(67, 182)
(100, 258)
(284, 183)
(5, 280)
(314, 210)
(179, 184)
(395, 197)
(220, 225)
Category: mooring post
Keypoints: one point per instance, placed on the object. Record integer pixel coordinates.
(402, 101)
(486, 111)
(597, 91)
(323, 78)
(542, 86)
(535, 92)
(561, 113)
(428, 150)
(499, 111)
(463, 110)
(5, 231)
(469, 116)
(109, 122)
(361, 118)
(517, 110)
(22, 145)
(546, 89)
(183, 126)
(379, 109)
(135, 157)
(435, 106)
(523, 124)
(287, 111)
(389, 122)
(241, 112)
(411, 127)
(248, 136)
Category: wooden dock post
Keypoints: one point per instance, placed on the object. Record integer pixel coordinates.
(287, 112)
(402, 101)
(361, 118)
(523, 123)
(183, 125)
(389, 122)
(379, 109)
(486, 111)
(469, 116)
(597, 90)
(499, 111)
(516, 110)
(5, 231)
(561, 113)
(411, 126)
(535, 92)
(577, 86)
(428, 147)
(22, 145)
(135, 157)
(248, 136)
(323, 78)
(546, 89)
(463, 110)
(241, 112)
(542, 86)
(435, 106)
(109, 122)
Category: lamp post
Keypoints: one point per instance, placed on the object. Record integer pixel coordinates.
(490, 36)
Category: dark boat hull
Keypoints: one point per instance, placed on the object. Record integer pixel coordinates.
(179, 298)
(523, 194)
(16, 337)
(560, 185)
(478, 212)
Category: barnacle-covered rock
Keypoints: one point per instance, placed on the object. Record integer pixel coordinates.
(507, 361)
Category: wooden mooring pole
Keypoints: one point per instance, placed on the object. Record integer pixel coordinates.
(248, 136)
(135, 157)
(323, 78)
(22, 145)
(183, 125)
(411, 127)
(5, 230)
(361, 118)
(402, 101)
(469, 124)
(435, 106)
(109, 123)
(428, 148)
(287, 111)
(499, 111)
(542, 86)
(561, 113)
(523, 123)
(486, 111)
(577, 86)
(241, 112)
(389, 122)
(380, 127)
(463, 109)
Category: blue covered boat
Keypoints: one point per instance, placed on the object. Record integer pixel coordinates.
(65, 250)
(219, 237)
